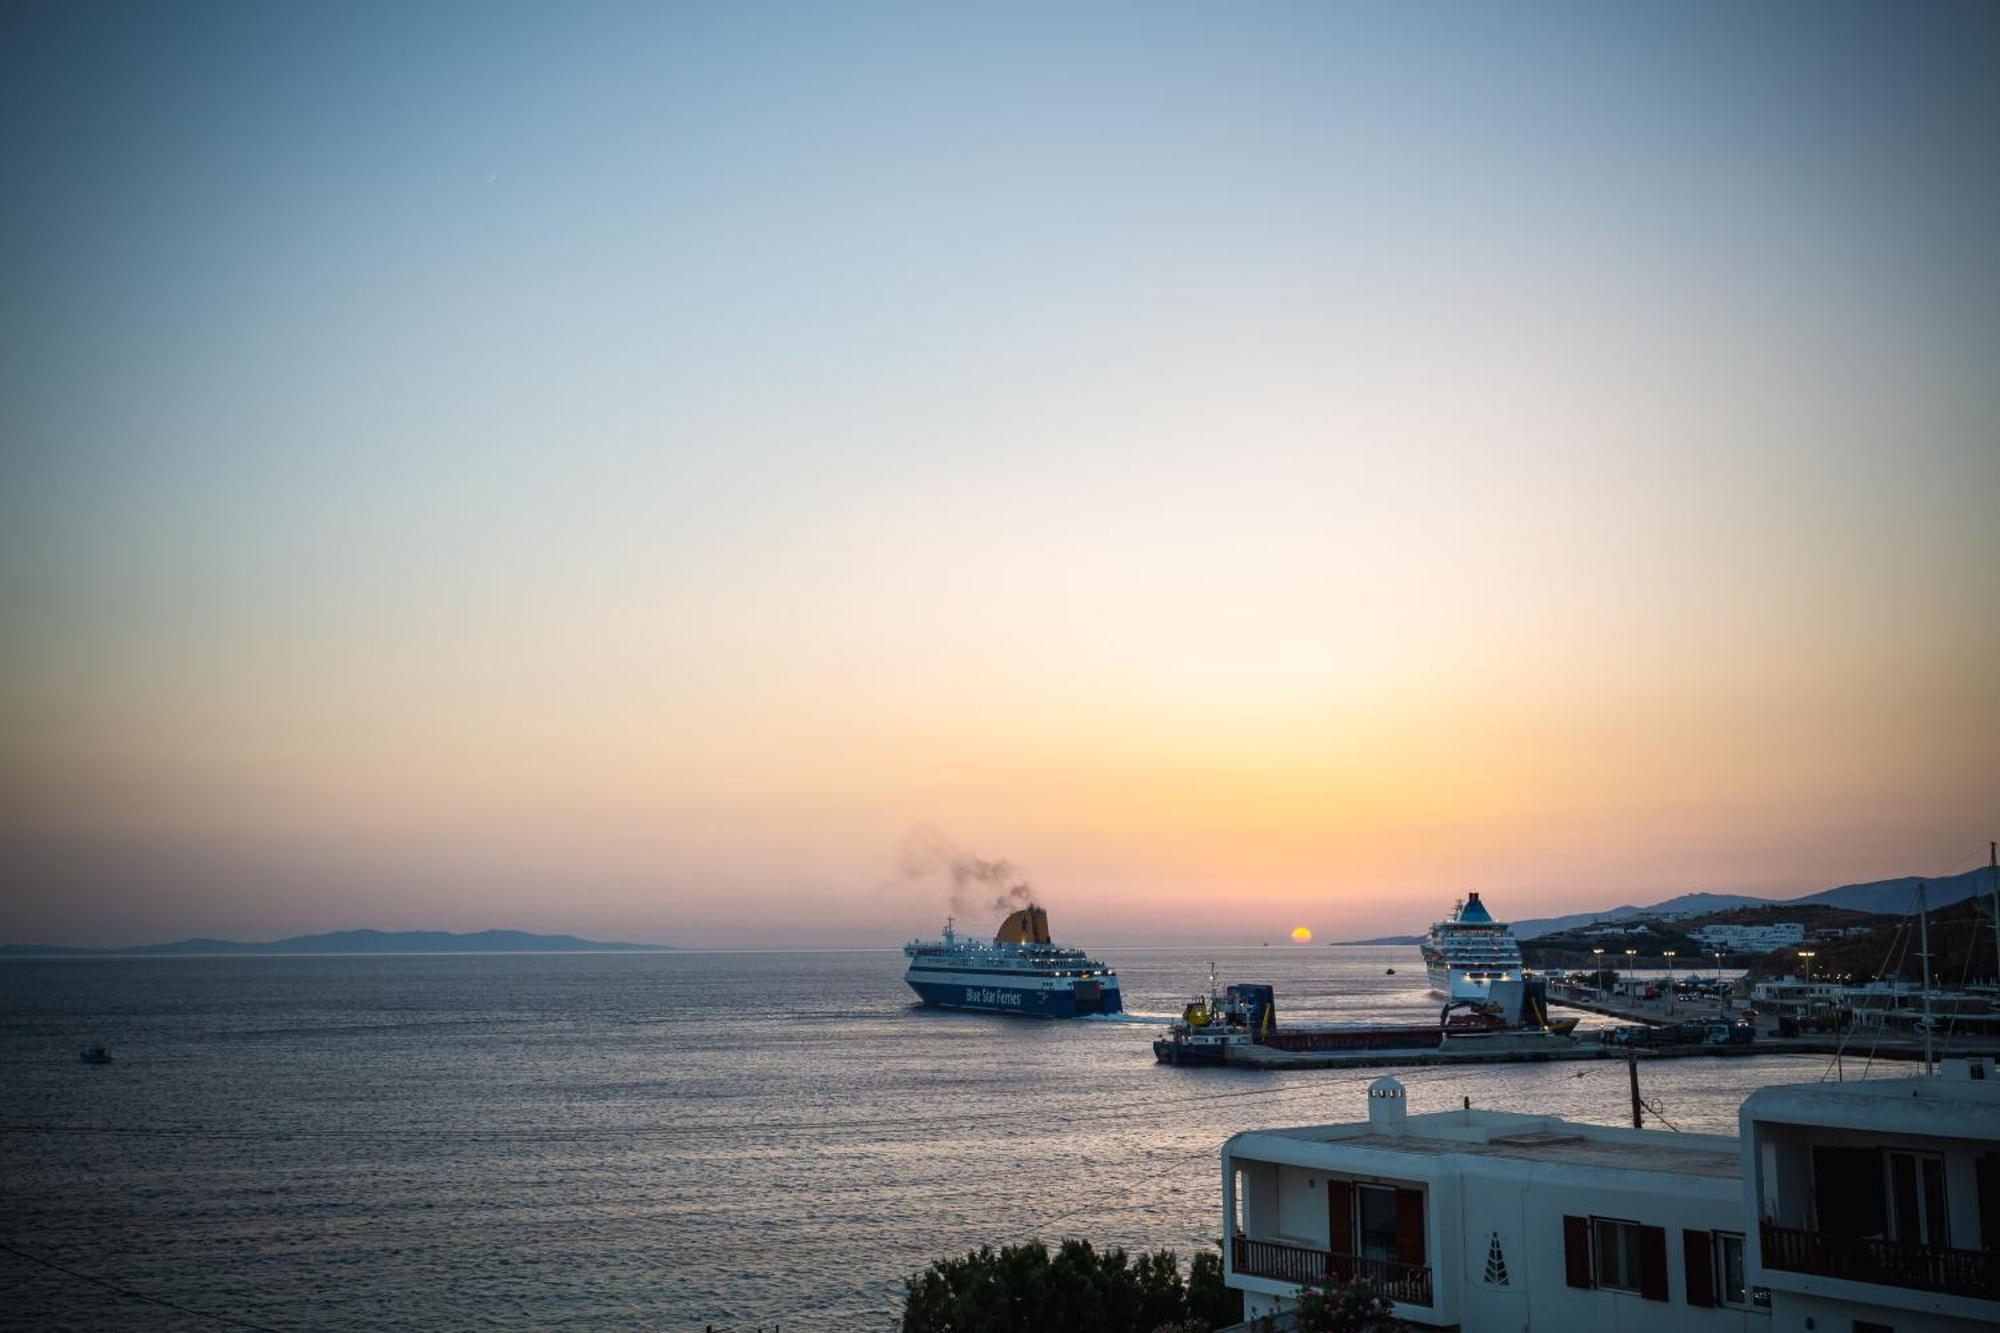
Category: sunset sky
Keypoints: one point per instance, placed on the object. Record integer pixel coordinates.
(618, 469)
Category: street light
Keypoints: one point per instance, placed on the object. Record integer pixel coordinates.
(1721, 1000)
(1670, 980)
(1597, 962)
(1806, 956)
(1630, 956)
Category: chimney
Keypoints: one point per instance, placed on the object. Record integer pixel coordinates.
(1385, 1106)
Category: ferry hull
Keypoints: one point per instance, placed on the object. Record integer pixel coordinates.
(1075, 1000)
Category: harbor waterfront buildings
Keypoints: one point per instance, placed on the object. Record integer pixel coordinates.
(1868, 1207)
(1750, 939)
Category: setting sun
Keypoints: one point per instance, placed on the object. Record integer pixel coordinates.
(1302, 935)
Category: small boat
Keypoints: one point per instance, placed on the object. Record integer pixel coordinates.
(94, 1055)
(1390, 973)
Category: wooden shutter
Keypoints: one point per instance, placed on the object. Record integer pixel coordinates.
(1340, 1216)
(1698, 1265)
(1576, 1251)
(1653, 1263)
(1410, 1226)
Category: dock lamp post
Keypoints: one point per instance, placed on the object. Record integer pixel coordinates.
(1721, 1000)
(1670, 980)
(1806, 956)
(1631, 961)
(1597, 962)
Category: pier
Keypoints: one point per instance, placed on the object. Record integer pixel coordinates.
(1858, 1042)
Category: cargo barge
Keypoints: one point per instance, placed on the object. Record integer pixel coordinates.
(1239, 1025)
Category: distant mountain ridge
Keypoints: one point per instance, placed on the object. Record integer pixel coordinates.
(1887, 896)
(352, 942)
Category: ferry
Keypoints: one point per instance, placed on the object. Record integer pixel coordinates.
(1021, 972)
(1469, 951)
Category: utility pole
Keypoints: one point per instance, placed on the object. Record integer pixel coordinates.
(1924, 935)
(1632, 1068)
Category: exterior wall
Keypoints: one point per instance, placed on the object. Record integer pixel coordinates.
(1795, 1313)
(1302, 1214)
(1260, 1198)
(1470, 1198)
(1525, 1205)
(1793, 1145)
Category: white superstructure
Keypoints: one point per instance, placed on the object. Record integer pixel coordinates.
(1469, 951)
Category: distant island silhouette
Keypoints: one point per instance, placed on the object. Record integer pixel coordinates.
(355, 941)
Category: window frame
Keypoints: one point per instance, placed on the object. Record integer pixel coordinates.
(1629, 1242)
(1720, 1240)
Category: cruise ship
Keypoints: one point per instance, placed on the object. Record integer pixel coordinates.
(1021, 972)
(1469, 951)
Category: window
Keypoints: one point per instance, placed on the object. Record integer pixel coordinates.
(1612, 1254)
(1729, 1282)
(1375, 1210)
(1916, 1199)
(1615, 1254)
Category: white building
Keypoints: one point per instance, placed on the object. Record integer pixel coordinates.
(1751, 939)
(1878, 1203)
(1843, 1208)
(1491, 1220)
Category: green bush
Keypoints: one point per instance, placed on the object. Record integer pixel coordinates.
(1026, 1289)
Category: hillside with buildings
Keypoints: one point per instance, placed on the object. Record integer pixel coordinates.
(1961, 945)
(1741, 935)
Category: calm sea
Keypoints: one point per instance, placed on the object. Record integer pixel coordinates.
(641, 1141)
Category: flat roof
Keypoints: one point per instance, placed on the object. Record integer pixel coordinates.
(1543, 1139)
(1948, 1106)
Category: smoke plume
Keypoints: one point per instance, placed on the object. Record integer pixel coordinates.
(977, 885)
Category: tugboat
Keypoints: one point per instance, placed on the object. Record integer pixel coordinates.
(1021, 972)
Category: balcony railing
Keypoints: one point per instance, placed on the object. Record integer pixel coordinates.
(1888, 1262)
(1408, 1283)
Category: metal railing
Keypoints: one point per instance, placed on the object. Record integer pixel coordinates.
(1407, 1283)
(1889, 1262)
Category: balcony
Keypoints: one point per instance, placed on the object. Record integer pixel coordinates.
(1891, 1263)
(1408, 1283)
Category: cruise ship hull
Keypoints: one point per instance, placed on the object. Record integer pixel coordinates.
(1457, 983)
(1035, 997)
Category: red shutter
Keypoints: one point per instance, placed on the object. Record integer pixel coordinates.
(1698, 1264)
(1410, 1226)
(1340, 1216)
(1576, 1251)
(1653, 1263)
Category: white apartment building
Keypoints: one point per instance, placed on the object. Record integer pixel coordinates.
(1878, 1203)
(1842, 1208)
(1751, 939)
(1492, 1220)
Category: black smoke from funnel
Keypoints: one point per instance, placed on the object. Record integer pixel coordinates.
(978, 885)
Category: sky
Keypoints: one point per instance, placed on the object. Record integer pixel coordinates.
(630, 469)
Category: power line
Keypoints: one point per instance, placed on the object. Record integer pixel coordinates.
(134, 1295)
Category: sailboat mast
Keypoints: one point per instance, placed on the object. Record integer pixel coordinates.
(1993, 883)
(1924, 936)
